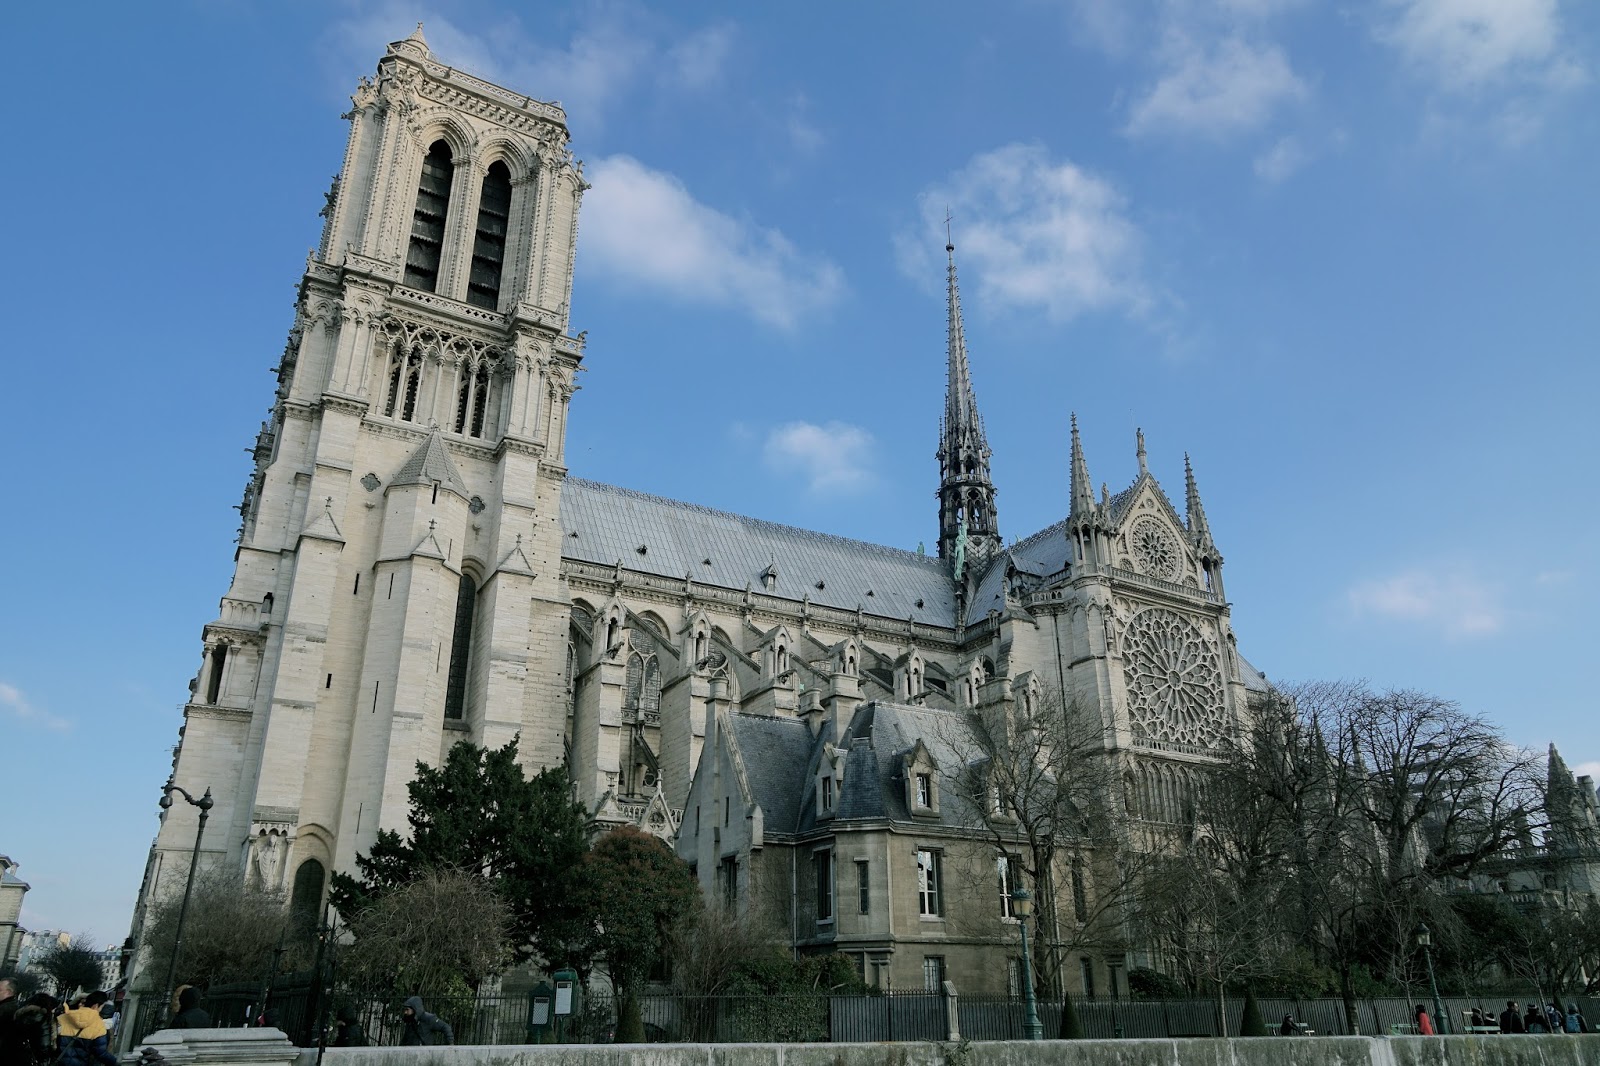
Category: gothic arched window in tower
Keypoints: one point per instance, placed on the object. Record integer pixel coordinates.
(455, 689)
(427, 221)
(489, 246)
(219, 659)
(472, 399)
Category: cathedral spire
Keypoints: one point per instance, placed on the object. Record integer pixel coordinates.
(966, 492)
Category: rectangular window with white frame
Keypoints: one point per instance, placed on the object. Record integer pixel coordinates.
(1009, 869)
(933, 973)
(924, 790)
(930, 883)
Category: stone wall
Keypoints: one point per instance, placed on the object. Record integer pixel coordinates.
(1551, 1050)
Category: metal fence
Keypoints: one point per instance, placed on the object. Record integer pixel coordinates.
(299, 1006)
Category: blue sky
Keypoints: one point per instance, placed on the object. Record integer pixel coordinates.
(1342, 254)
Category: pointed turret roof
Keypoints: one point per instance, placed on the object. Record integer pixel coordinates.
(1082, 487)
(429, 463)
(1199, 528)
(415, 44)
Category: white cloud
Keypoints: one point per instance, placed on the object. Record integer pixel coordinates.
(1285, 157)
(697, 61)
(832, 458)
(1466, 44)
(803, 134)
(643, 227)
(614, 51)
(1034, 233)
(1215, 89)
(1451, 601)
(12, 700)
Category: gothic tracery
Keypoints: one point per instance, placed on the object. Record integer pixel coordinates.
(1174, 679)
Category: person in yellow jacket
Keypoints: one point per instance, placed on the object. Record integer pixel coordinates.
(81, 1034)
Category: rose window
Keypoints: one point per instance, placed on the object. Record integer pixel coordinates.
(1174, 680)
(1155, 549)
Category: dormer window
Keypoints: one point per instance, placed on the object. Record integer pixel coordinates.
(920, 778)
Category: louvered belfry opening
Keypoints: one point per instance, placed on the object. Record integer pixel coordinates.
(427, 222)
(455, 690)
(489, 246)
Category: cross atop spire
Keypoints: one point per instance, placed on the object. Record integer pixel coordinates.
(966, 493)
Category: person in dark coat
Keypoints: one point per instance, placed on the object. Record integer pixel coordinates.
(1288, 1028)
(420, 1027)
(348, 1032)
(33, 1032)
(1533, 1021)
(190, 1014)
(1510, 1019)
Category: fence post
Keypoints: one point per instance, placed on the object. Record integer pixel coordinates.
(952, 1013)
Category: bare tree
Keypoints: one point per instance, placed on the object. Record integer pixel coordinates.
(1039, 777)
(72, 966)
(231, 933)
(444, 927)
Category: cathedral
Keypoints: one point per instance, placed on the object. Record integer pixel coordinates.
(418, 567)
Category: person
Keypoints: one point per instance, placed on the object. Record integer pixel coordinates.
(1288, 1028)
(1424, 1023)
(1477, 1020)
(8, 1015)
(82, 1038)
(111, 1016)
(1574, 1021)
(420, 1027)
(1554, 1018)
(348, 1031)
(33, 1038)
(190, 1015)
(1510, 1019)
(1533, 1020)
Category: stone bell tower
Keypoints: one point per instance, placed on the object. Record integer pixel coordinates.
(398, 564)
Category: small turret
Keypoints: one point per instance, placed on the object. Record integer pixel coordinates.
(1200, 531)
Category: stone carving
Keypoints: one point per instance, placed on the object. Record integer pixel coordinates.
(1154, 549)
(268, 849)
(1174, 679)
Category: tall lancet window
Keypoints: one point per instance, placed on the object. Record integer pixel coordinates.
(455, 689)
(427, 222)
(489, 246)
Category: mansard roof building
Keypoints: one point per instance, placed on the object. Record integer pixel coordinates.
(416, 568)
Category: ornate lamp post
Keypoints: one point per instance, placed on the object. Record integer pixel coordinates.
(1425, 942)
(1022, 907)
(205, 803)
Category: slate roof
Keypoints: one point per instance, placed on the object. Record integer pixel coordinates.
(612, 523)
(776, 752)
(1253, 679)
(877, 737)
(429, 463)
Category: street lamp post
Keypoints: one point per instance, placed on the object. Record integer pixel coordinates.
(1425, 942)
(204, 803)
(1022, 907)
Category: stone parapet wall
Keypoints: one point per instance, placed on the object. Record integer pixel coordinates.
(1550, 1050)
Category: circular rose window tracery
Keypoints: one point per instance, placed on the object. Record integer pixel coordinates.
(1155, 549)
(1174, 680)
